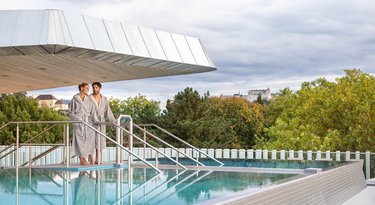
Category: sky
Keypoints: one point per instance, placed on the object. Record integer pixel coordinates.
(255, 44)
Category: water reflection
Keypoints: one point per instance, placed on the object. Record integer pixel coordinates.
(125, 186)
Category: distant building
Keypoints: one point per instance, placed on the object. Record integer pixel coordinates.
(252, 95)
(52, 102)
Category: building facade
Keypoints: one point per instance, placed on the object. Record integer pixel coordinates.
(51, 102)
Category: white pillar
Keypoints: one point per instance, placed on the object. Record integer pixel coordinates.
(300, 155)
(328, 155)
(318, 155)
(226, 153)
(367, 158)
(338, 156)
(282, 154)
(309, 155)
(274, 154)
(291, 154)
(250, 154)
(347, 155)
(265, 154)
(218, 153)
(357, 155)
(241, 154)
(258, 154)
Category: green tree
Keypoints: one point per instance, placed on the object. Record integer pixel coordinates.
(139, 107)
(19, 107)
(324, 115)
(213, 122)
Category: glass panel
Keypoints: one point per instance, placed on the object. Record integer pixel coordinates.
(197, 50)
(118, 38)
(135, 40)
(98, 34)
(152, 43)
(168, 46)
(183, 48)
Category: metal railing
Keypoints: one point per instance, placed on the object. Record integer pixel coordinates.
(66, 139)
(145, 143)
(169, 145)
(177, 138)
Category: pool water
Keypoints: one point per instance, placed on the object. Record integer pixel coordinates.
(128, 186)
(285, 164)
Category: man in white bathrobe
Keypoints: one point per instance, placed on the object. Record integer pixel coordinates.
(81, 108)
(103, 111)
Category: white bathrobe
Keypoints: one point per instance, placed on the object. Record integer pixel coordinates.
(83, 140)
(102, 111)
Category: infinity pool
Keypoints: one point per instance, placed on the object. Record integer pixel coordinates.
(285, 164)
(128, 186)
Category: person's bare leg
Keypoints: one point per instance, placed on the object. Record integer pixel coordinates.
(91, 159)
(82, 161)
(97, 156)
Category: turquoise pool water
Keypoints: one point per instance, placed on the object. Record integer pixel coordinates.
(287, 164)
(128, 186)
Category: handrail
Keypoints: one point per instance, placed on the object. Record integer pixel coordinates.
(8, 153)
(6, 124)
(35, 158)
(177, 138)
(94, 129)
(169, 145)
(152, 147)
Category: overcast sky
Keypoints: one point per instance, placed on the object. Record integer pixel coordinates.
(255, 44)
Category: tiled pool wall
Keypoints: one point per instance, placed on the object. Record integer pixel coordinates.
(331, 187)
(110, 155)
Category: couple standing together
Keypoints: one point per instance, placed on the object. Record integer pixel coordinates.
(91, 109)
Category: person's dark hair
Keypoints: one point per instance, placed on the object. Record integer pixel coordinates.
(80, 86)
(97, 84)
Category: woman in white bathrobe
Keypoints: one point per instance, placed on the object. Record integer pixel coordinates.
(81, 108)
(103, 111)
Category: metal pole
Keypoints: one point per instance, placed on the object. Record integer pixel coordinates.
(367, 165)
(144, 145)
(118, 141)
(99, 145)
(130, 140)
(17, 161)
(67, 153)
(64, 147)
(30, 154)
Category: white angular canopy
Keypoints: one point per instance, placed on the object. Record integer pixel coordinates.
(42, 49)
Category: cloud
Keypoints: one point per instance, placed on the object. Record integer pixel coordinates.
(254, 43)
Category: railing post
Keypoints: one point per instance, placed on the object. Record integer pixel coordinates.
(357, 155)
(258, 154)
(67, 153)
(250, 154)
(300, 155)
(144, 145)
(309, 155)
(265, 154)
(328, 155)
(130, 159)
(218, 153)
(282, 154)
(367, 157)
(347, 155)
(17, 145)
(118, 136)
(291, 154)
(273, 155)
(318, 155)
(338, 156)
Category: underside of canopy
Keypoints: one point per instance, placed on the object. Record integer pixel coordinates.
(42, 49)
